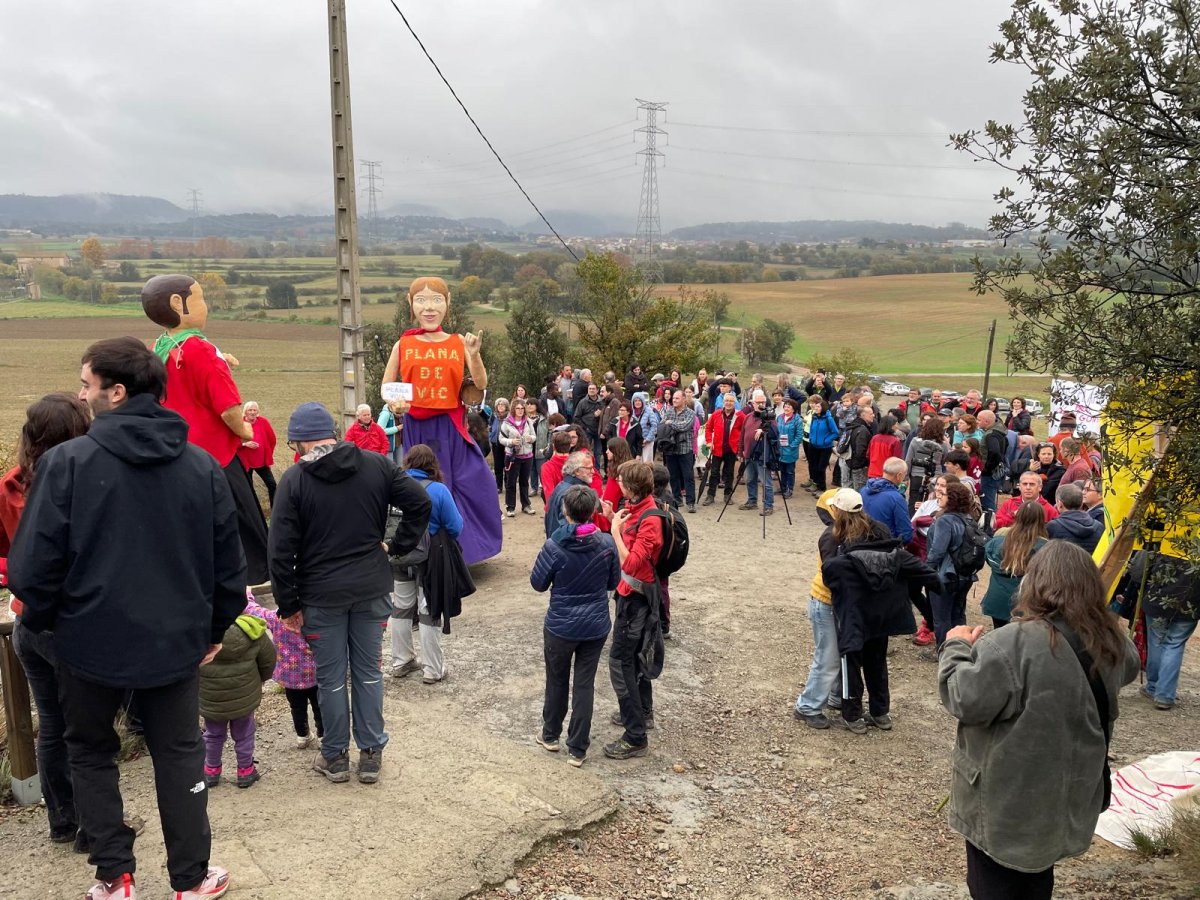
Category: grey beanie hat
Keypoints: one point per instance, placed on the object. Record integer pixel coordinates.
(311, 422)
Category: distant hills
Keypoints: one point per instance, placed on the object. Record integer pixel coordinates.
(155, 217)
(23, 210)
(825, 230)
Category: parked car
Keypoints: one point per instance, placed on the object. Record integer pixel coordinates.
(1003, 405)
(926, 394)
(951, 395)
(895, 389)
(1034, 407)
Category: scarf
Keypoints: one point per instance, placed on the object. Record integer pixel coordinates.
(167, 342)
(567, 532)
(412, 331)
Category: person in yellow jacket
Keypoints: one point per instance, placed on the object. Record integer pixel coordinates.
(825, 670)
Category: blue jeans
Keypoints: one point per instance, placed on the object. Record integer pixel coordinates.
(988, 487)
(754, 472)
(36, 653)
(949, 607)
(349, 633)
(827, 663)
(683, 476)
(787, 477)
(1165, 640)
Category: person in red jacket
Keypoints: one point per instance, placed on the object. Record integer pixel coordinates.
(723, 434)
(883, 446)
(367, 433)
(1030, 487)
(258, 453)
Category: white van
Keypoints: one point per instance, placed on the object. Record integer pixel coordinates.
(1034, 407)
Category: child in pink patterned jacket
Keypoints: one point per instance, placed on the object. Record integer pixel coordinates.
(294, 669)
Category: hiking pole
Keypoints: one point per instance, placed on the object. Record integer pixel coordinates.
(783, 497)
(729, 494)
(766, 481)
(845, 680)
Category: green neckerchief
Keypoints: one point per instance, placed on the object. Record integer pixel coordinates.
(167, 342)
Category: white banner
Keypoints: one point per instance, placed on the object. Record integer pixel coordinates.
(1084, 400)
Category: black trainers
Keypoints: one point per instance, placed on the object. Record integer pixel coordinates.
(858, 726)
(819, 720)
(336, 770)
(617, 720)
(369, 764)
(622, 749)
(883, 722)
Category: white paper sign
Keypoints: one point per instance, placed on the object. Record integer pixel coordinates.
(392, 391)
(1086, 401)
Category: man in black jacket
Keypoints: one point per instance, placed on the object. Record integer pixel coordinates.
(860, 429)
(589, 411)
(330, 571)
(129, 551)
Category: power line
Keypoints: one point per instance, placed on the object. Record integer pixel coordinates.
(804, 131)
(831, 162)
(535, 152)
(467, 112)
(820, 188)
(545, 167)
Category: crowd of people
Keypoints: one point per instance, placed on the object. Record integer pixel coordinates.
(369, 529)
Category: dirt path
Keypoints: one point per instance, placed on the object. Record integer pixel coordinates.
(736, 799)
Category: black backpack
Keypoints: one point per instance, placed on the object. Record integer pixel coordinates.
(675, 539)
(968, 557)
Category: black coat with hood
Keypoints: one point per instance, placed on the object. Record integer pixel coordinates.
(129, 550)
(869, 583)
(328, 524)
(860, 440)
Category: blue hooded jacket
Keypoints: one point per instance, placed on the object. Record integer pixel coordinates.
(580, 572)
(884, 503)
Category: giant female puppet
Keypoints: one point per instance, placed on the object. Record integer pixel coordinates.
(433, 362)
(200, 388)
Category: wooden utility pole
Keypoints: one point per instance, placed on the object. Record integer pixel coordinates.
(987, 365)
(345, 214)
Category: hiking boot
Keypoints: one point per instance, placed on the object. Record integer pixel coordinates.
(336, 770)
(924, 636)
(369, 764)
(883, 722)
(819, 721)
(64, 835)
(1164, 705)
(929, 654)
(212, 777)
(574, 760)
(215, 884)
(303, 742)
(405, 669)
(247, 777)
(550, 745)
(622, 749)
(691, 507)
(617, 720)
(858, 726)
(120, 888)
(708, 501)
(432, 679)
(749, 505)
(767, 510)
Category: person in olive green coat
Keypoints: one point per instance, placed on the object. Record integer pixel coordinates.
(1008, 554)
(230, 692)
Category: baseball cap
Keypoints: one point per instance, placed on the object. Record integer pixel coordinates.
(847, 500)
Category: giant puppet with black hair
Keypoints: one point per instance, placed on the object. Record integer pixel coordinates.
(437, 366)
(200, 387)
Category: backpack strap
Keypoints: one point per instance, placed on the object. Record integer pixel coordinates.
(1099, 694)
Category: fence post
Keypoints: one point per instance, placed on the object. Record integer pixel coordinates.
(26, 785)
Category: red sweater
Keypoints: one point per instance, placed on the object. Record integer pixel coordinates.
(644, 544)
(12, 504)
(879, 451)
(1007, 514)
(264, 453)
(368, 437)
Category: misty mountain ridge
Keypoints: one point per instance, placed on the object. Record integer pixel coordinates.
(25, 209)
(809, 230)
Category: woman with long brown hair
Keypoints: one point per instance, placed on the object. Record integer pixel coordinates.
(48, 422)
(1035, 703)
(1008, 554)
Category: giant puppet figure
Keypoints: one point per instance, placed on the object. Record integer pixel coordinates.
(433, 362)
(200, 388)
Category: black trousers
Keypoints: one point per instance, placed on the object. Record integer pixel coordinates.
(268, 478)
(560, 654)
(251, 525)
(818, 464)
(634, 690)
(516, 475)
(683, 475)
(869, 666)
(498, 465)
(988, 880)
(300, 699)
(722, 469)
(171, 716)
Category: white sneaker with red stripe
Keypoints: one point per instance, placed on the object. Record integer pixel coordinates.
(215, 884)
(119, 889)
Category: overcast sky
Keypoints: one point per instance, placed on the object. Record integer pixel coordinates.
(233, 98)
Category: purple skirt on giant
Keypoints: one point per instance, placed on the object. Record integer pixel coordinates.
(470, 480)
